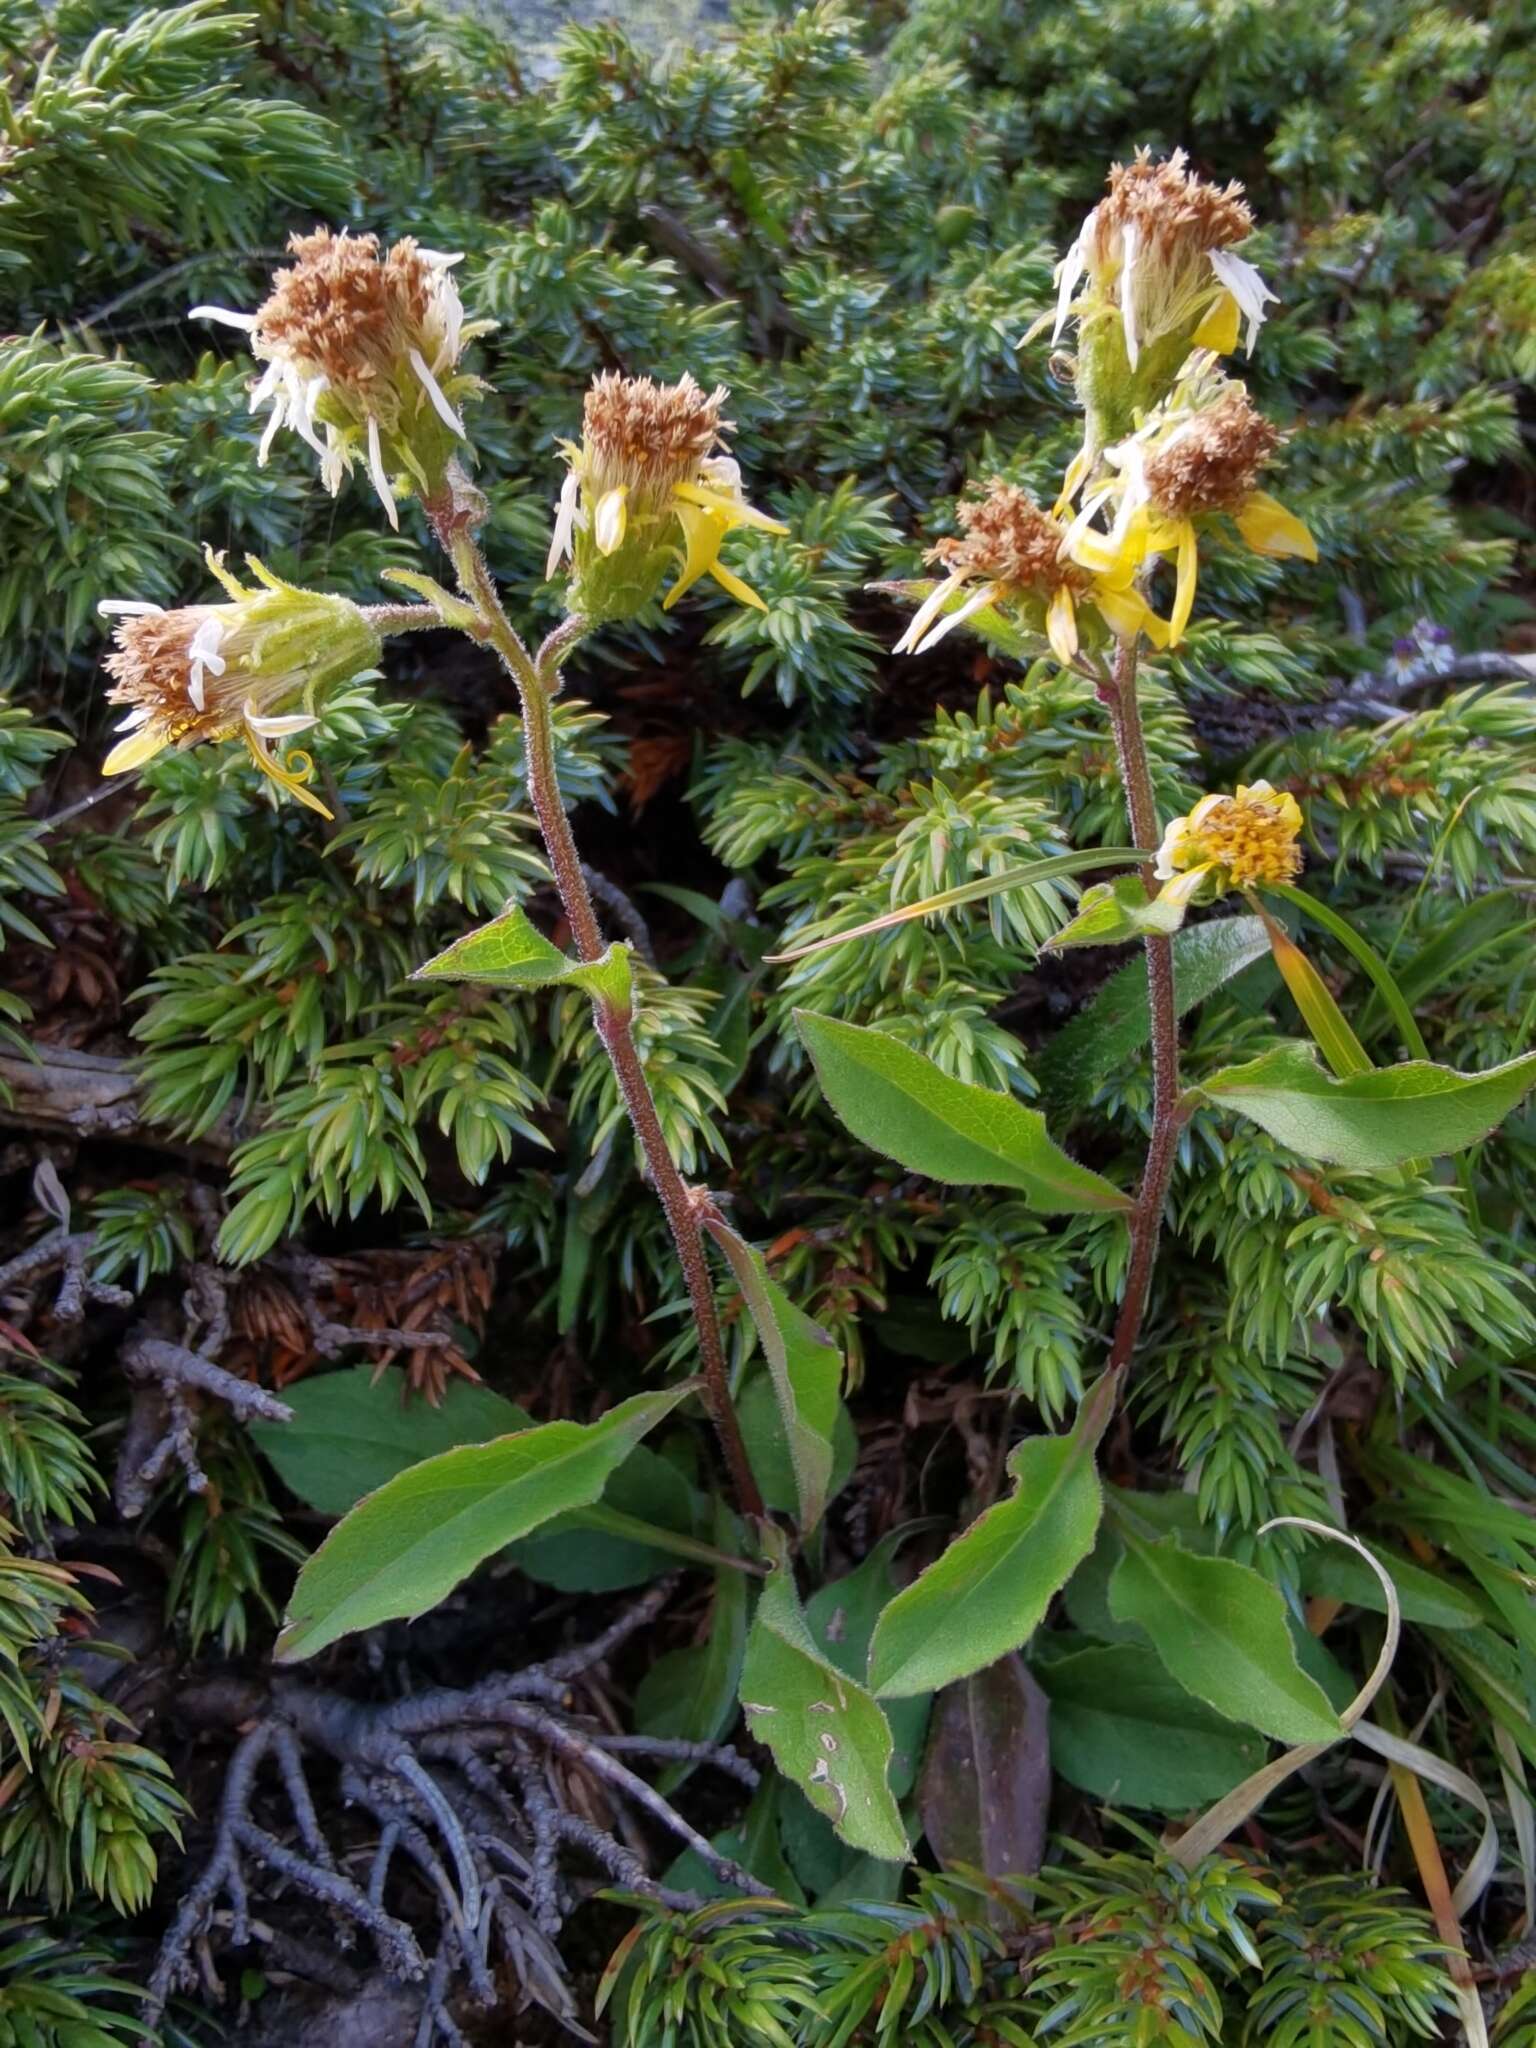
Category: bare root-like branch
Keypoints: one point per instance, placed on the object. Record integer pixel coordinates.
(68, 1253)
(495, 1807)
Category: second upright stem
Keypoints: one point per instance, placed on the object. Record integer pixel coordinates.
(1119, 697)
(533, 679)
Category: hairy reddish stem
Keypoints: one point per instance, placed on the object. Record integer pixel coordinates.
(1118, 694)
(535, 678)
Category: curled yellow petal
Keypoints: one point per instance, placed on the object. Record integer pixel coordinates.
(1218, 331)
(1182, 887)
(742, 592)
(1091, 549)
(611, 519)
(1184, 587)
(1127, 613)
(1072, 482)
(702, 535)
(1270, 530)
(1061, 624)
(133, 752)
(735, 511)
(291, 776)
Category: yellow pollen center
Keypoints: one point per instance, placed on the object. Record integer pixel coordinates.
(1253, 841)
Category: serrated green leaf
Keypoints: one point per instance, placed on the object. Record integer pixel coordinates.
(1221, 1632)
(1369, 1121)
(806, 1368)
(1122, 1730)
(827, 1734)
(901, 1104)
(405, 1547)
(510, 953)
(988, 1592)
(1111, 913)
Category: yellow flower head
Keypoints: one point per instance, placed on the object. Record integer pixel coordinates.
(363, 348)
(1199, 453)
(232, 671)
(645, 478)
(1013, 555)
(1162, 278)
(1231, 842)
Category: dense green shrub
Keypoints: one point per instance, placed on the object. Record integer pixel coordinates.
(850, 218)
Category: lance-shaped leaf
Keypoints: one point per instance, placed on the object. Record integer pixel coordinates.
(899, 1103)
(1374, 1120)
(988, 1592)
(1389, 991)
(403, 1548)
(354, 1429)
(1110, 913)
(1114, 1027)
(824, 1729)
(1312, 996)
(1220, 1630)
(510, 953)
(805, 1365)
(1028, 876)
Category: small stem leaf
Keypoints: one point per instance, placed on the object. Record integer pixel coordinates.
(1320, 1013)
(1220, 1629)
(1369, 1121)
(453, 611)
(1367, 957)
(404, 1548)
(1029, 876)
(988, 1592)
(1114, 1027)
(899, 1103)
(510, 953)
(806, 1368)
(825, 1731)
(1113, 913)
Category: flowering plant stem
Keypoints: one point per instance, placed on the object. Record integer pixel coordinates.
(1117, 692)
(537, 679)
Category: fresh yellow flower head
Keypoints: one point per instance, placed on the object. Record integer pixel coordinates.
(365, 349)
(645, 479)
(1231, 842)
(232, 671)
(1162, 279)
(1198, 453)
(1010, 553)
